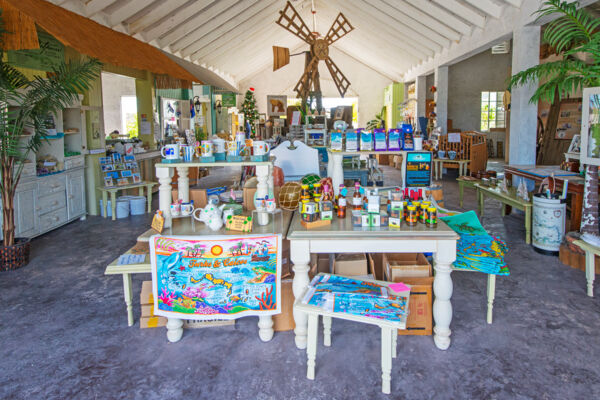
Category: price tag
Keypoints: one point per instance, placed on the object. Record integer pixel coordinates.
(239, 223)
(158, 222)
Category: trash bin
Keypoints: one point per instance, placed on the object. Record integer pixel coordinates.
(548, 223)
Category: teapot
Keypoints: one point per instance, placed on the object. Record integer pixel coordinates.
(211, 215)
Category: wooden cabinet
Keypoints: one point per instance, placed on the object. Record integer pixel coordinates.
(25, 216)
(75, 194)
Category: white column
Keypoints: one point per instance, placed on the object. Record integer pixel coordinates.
(523, 115)
(183, 184)
(421, 90)
(300, 257)
(335, 169)
(262, 190)
(441, 97)
(164, 176)
(174, 329)
(442, 288)
(265, 328)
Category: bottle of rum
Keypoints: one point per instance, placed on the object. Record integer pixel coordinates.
(356, 199)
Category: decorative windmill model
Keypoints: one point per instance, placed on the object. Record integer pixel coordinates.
(309, 83)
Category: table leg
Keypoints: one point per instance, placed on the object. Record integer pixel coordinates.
(174, 329)
(265, 328)
(480, 201)
(386, 360)
(491, 294)
(262, 190)
(442, 288)
(113, 205)
(461, 193)
(300, 257)
(149, 198)
(105, 203)
(590, 272)
(311, 348)
(528, 225)
(502, 209)
(394, 342)
(141, 191)
(183, 184)
(336, 171)
(326, 331)
(128, 297)
(164, 176)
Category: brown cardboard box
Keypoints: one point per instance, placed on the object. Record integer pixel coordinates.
(146, 297)
(197, 195)
(376, 265)
(420, 314)
(249, 197)
(285, 320)
(350, 264)
(397, 161)
(152, 322)
(405, 265)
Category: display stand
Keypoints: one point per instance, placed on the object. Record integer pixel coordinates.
(272, 216)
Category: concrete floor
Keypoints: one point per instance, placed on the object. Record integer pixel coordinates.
(64, 334)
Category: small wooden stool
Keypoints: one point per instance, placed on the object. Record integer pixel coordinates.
(389, 338)
(590, 263)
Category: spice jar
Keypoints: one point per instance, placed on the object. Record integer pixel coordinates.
(431, 221)
(411, 217)
(422, 214)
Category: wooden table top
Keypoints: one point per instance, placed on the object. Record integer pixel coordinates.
(132, 186)
(496, 191)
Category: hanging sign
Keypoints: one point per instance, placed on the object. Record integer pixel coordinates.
(418, 169)
(218, 277)
(49, 55)
(228, 100)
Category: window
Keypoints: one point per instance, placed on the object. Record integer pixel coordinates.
(492, 110)
(129, 121)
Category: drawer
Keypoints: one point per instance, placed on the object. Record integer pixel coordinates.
(51, 184)
(52, 219)
(74, 162)
(51, 202)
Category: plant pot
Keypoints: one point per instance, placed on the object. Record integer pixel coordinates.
(15, 256)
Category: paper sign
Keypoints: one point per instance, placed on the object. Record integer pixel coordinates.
(453, 137)
(239, 223)
(399, 287)
(296, 118)
(145, 128)
(158, 222)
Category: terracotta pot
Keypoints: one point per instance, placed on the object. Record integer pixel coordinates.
(278, 177)
(15, 256)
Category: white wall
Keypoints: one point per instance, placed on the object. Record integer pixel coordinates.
(365, 83)
(113, 87)
(467, 79)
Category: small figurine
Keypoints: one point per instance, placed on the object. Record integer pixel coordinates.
(522, 191)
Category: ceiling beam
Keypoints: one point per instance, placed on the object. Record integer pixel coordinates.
(243, 41)
(487, 6)
(176, 20)
(154, 15)
(253, 16)
(514, 3)
(209, 24)
(425, 19)
(409, 22)
(127, 11)
(462, 11)
(442, 15)
(93, 7)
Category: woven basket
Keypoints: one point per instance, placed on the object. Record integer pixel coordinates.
(15, 256)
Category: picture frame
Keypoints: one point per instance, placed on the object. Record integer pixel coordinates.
(116, 158)
(339, 114)
(575, 146)
(108, 181)
(112, 174)
(129, 158)
(569, 119)
(590, 127)
(107, 167)
(137, 178)
(122, 182)
(262, 118)
(105, 160)
(276, 106)
(126, 173)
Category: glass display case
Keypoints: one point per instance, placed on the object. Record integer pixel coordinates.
(590, 127)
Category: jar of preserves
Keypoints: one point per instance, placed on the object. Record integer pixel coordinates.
(411, 217)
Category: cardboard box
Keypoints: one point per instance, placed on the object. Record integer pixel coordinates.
(397, 162)
(197, 195)
(146, 297)
(285, 321)
(376, 265)
(193, 324)
(406, 265)
(420, 310)
(350, 264)
(152, 322)
(249, 197)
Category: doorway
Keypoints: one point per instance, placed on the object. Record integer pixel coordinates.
(119, 104)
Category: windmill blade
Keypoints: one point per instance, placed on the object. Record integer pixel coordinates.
(290, 20)
(302, 88)
(281, 57)
(340, 28)
(340, 80)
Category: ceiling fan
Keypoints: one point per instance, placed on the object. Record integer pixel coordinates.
(309, 83)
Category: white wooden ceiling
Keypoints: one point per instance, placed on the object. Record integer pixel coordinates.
(234, 37)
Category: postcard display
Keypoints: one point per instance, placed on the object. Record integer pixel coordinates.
(216, 277)
(120, 170)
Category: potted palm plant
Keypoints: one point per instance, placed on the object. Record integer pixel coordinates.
(25, 104)
(575, 37)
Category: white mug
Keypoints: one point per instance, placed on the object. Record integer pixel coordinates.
(219, 145)
(187, 208)
(175, 209)
(170, 151)
(260, 148)
(206, 148)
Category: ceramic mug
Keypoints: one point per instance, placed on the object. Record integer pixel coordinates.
(441, 154)
(271, 205)
(188, 153)
(451, 154)
(234, 148)
(260, 148)
(218, 145)
(175, 209)
(260, 204)
(206, 148)
(170, 151)
(187, 208)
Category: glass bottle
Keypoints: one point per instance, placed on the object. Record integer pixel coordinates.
(356, 199)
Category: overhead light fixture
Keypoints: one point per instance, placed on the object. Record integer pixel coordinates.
(218, 106)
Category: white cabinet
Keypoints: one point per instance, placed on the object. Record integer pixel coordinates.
(25, 216)
(75, 194)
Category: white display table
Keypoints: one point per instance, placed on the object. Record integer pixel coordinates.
(342, 237)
